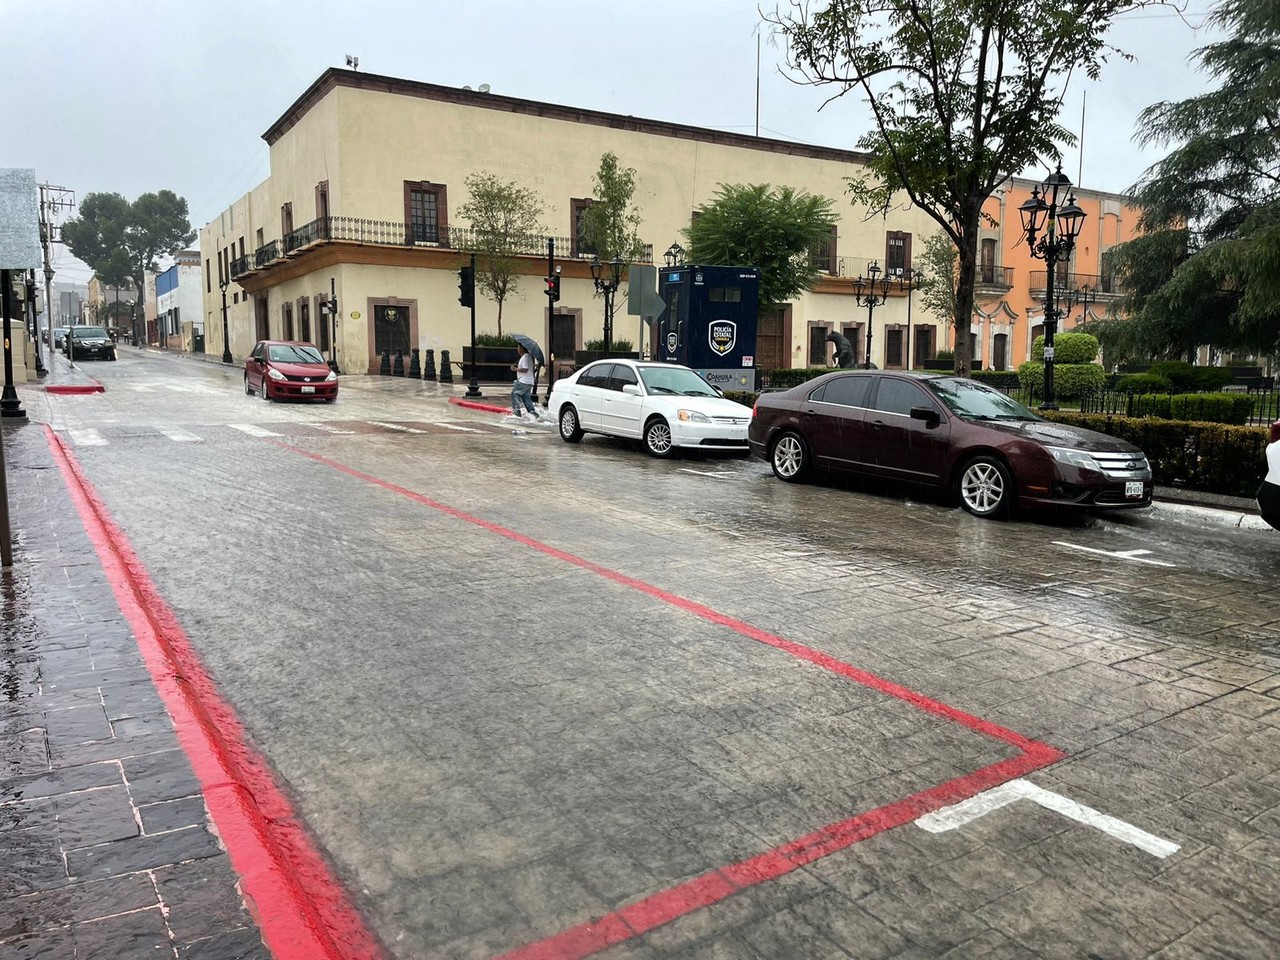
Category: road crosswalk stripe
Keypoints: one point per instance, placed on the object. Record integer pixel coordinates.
(182, 436)
(87, 437)
(330, 429)
(395, 426)
(454, 426)
(253, 431)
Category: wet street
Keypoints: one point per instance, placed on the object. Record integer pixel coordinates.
(534, 699)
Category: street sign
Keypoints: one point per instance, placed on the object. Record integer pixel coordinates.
(19, 220)
(642, 293)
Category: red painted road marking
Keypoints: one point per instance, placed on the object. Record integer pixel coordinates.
(487, 407)
(299, 906)
(75, 389)
(586, 939)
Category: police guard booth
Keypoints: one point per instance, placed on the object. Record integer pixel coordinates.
(709, 322)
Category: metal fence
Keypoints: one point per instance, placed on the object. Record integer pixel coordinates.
(1265, 408)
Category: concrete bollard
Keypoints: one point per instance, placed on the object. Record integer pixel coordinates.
(415, 370)
(446, 369)
(397, 365)
(429, 365)
(384, 368)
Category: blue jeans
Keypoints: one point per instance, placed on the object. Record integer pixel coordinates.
(522, 393)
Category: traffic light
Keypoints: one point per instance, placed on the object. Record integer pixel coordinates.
(467, 286)
(553, 289)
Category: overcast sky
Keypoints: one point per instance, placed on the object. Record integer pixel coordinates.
(142, 95)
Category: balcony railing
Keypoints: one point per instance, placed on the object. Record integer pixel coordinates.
(241, 265)
(989, 275)
(397, 233)
(1100, 284)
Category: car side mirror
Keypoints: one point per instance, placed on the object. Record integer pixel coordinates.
(631, 388)
(719, 392)
(927, 414)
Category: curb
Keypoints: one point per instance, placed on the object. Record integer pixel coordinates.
(74, 389)
(1228, 518)
(473, 405)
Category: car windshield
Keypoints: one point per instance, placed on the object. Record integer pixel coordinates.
(679, 381)
(293, 353)
(975, 401)
(89, 333)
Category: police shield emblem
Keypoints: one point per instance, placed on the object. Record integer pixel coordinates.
(672, 342)
(722, 335)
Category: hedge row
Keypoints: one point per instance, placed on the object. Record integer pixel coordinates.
(1214, 457)
(1232, 408)
(1070, 380)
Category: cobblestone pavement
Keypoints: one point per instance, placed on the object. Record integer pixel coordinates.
(517, 688)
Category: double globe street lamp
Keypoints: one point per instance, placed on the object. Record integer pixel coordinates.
(871, 294)
(1051, 233)
(607, 284)
(226, 339)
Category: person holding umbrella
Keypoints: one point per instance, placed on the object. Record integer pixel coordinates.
(1269, 492)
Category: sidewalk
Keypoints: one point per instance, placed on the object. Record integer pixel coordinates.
(106, 848)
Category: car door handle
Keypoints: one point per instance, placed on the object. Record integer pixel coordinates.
(877, 424)
(810, 413)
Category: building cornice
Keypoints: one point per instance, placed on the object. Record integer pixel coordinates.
(335, 77)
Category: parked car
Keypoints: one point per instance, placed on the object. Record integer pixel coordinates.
(89, 343)
(58, 334)
(280, 369)
(664, 405)
(949, 433)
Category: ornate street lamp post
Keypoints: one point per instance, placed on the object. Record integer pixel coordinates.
(910, 280)
(329, 310)
(1051, 233)
(607, 284)
(226, 339)
(871, 294)
(35, 322)
(674, 255)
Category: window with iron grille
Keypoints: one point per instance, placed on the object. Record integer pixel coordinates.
(426, 211)
(823, 255)
(897, 253)
(579, 245)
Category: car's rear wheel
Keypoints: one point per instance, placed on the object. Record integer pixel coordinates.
(985, 487)
(570, 428)
(657, 438)
(790, 458)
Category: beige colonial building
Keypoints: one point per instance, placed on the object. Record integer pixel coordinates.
(367, 177)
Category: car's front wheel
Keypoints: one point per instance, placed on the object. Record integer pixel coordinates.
(985, 487)
(657, 438)
(790, 458)
(266, 393)
(570, 428)
(248, 390)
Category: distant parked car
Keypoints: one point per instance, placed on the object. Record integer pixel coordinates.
(949, 433)
(664, 405)
(89, 343)
(292, 369)
(58, 334)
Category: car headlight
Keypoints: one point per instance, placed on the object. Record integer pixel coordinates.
(331, 377)
(274, 374)
(1077, 458)
(692, 416)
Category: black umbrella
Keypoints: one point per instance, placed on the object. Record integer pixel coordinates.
(531, 345)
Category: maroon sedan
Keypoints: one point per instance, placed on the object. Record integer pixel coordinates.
(277, 369)
(949, 433)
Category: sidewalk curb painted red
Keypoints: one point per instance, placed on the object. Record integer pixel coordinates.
(473, 405)
(298, 904)
(75, 389)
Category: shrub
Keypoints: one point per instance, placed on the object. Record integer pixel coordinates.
(785, 378)
(617, 346)
(1212, 407)
(1070, 380)
(1212, 379)
(1180, 374)
(494, 340)
(1219, 458)
(1068, 348)
(1000, 379)
(1150, 405)
(1142, 383)
(745, 397)
(1031, 375)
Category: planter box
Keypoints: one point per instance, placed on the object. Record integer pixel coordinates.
(583, 357)
(943, 365)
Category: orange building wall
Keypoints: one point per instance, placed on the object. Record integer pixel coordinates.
(1016, 311)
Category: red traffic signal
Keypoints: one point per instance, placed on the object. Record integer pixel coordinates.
(553, 288)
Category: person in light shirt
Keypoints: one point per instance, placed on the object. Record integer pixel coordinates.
(1269, 492)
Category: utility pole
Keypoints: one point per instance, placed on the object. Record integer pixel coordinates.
(52, 200)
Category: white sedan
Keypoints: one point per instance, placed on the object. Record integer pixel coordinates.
(664, 405)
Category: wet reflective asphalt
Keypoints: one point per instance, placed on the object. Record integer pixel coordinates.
(494, 743)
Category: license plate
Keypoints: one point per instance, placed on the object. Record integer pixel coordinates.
(1133, 489)
(313, 390)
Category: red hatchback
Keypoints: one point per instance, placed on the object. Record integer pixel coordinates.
(280, 369)
(945, 432)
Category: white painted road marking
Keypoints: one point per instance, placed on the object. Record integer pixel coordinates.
(394, 426)
(252, 430)
(454, 426)
(87, 437)
(1138, 556)
(328, 429)
(722, 475)
(990, 800)
(182, 436)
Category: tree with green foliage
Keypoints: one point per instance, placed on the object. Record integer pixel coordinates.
(963, 94)
(121, 241)
(611, 223)
(775, 229)
(939, 264)
(505, 219)
(1207, 268)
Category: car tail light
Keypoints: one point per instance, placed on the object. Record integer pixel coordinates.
(755, 409)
